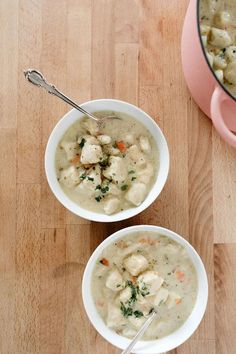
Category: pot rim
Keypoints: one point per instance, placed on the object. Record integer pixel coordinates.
(204, 53)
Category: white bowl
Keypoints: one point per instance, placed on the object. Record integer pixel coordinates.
(100, 105)
(156, 346)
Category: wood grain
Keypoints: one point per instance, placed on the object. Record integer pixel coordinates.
(225, 289)
(125, 49)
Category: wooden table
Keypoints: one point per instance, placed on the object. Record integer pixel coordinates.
(124, 49)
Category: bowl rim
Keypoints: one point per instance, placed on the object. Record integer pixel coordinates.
(166, 343)
(164, 164)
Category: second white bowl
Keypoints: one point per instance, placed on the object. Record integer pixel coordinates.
(154, 346)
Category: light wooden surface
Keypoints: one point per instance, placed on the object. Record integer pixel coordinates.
(125, 49)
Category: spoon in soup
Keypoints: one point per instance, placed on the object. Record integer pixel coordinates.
(36, 78)
(141, 332)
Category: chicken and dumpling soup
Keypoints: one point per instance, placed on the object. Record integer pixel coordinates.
(139, 273)
(107, 168)
(218, 33)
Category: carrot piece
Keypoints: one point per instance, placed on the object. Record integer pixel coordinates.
(133, 279)
(76, 160)
(104, 262)
(121, 146)
(180, 275)
(178, 301)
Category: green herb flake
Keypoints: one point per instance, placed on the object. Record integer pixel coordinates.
(131, 172)
(81, 144)
(126, 311)
(98, 187)
(90, 179)
(104, 189)
(124, 187)
(83, 176)
(133, 178)
(104, 161)
(138, 314)
(98, 199)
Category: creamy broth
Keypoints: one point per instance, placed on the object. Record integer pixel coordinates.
(218, 32)
(109, 168)
(141, 272)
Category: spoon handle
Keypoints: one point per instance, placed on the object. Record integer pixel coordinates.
(36, 78)
(140, 333)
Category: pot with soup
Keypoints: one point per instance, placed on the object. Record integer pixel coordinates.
(209, 61)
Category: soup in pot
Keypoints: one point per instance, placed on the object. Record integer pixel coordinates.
(218, 33)
(139, 273)
(107, 168)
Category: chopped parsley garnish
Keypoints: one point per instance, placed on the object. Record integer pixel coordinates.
(81, 144)
(144, 290)
(138, 314)
(98, 199)
(90, 178)
(124, 187)
(98, 187)
(104, 189)
(126, 311)
(133, 178)
(168, 273)
(131, 172)
(83, 176)
(134, 291)
(104, 161)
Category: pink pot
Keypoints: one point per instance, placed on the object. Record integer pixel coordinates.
(207, 91)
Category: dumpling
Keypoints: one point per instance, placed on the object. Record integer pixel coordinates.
(128, 139)
(150, 282)
(144, 144)
(114, 280)
(91, 154)
(125, 295)
(161, 296)
(137, 193)
(91, 126)
(136, 155)
(104, 139)
(230, 53)
(89, 182)
(135, 264)
(111, 205)
(222, 19)
(220, 38)
(88, 139)
(114, 316)
(70, 177)
(117, 170)
(144, 175)
(230, 73)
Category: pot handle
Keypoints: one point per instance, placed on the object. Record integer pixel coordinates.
(219, 98)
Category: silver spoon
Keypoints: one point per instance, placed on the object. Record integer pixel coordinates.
(36, 78)
(140, 333)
